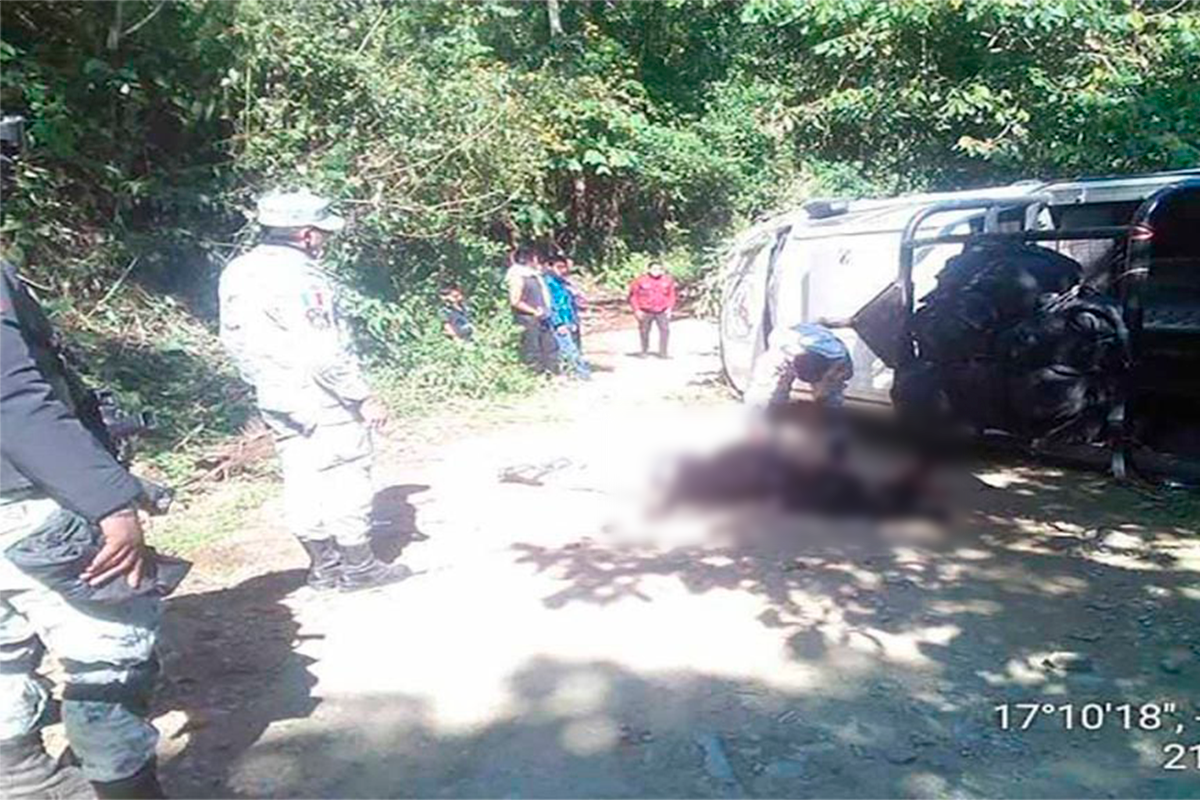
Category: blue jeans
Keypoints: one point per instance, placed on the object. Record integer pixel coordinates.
(569, 355)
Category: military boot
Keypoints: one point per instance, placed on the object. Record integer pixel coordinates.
(141, 785)
(361, 570)
(325, 569)
(28, 771)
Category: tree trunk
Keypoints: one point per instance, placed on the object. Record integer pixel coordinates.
(114, 30)
(552, 11)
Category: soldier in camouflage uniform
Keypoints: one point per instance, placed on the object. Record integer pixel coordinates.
(812, 354)
(280, 322)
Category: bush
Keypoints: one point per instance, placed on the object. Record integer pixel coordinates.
(433, 368)
(681, 262)
(451, 131)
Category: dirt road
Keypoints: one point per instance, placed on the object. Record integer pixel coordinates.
(563, 644)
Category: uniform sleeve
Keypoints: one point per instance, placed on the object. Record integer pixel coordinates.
(671, 296)
(44, 441)
(771, 379)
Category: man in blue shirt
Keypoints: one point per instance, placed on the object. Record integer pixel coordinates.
(564, 317)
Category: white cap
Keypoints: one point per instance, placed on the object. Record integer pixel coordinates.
(299, 209)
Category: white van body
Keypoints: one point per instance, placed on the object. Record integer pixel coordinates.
(795, 268)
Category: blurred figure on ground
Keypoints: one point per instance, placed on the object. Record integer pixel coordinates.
(281, 323)
(812, 354)
(652, 298)
(456, 317)
(564, 316)
(529, 299)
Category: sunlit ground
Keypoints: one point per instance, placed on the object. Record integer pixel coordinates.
(568, 641)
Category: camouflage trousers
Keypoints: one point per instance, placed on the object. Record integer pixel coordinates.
(106, 652)
(327, 487)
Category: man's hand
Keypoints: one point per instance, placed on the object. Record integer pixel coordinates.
(525, 308)
(638, 314)
(374, 413)
(123, 553)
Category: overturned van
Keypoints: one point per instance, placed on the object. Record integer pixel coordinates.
(1065, 316)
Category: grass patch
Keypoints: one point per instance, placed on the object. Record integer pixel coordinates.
(154, 355)
(424, 375)
(213, 517)
(681, 263)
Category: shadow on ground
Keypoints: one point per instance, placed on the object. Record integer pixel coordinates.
(394, 521)
(231, 665)
(1051, 587)
(232, 670)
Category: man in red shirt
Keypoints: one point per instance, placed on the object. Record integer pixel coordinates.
(652, 298)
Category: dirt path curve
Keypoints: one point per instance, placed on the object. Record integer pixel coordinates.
(562, 644)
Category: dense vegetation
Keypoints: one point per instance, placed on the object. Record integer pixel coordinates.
(449, 131)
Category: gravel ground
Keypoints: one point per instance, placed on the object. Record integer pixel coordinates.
(563, 641)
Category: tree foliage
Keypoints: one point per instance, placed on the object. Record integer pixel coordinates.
(451, 128)
(449, 131)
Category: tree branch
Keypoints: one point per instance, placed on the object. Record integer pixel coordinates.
(132, 29)
(375, 26)
(114, 30)
(552, 11)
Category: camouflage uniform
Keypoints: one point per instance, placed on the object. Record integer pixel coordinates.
(280, 323)
(809, 353)
(53, 459)
(107, 655)
(814, 355)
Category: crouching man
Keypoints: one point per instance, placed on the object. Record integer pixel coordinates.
(281, 324)
(814, 355)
